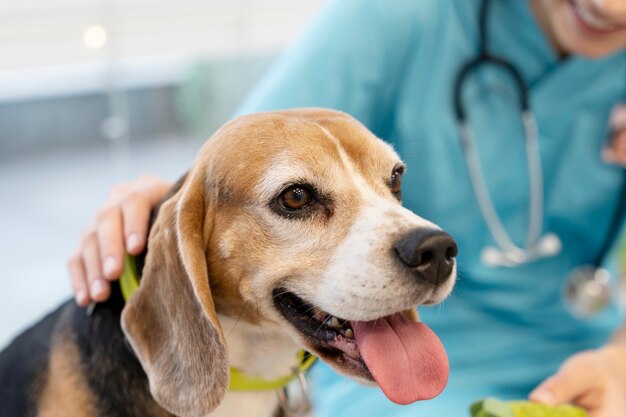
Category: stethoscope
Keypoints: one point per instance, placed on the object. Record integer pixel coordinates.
(588, 289)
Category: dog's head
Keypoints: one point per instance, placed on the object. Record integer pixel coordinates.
(291, 218)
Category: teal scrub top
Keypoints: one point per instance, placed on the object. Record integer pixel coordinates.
(392, 65)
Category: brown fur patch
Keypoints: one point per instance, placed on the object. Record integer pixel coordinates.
(66, 393)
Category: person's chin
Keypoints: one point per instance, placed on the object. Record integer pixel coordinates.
(574, 37)
(575, 44)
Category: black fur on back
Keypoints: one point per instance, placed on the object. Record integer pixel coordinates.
(107, 363)
(23, 368)
(111, 368)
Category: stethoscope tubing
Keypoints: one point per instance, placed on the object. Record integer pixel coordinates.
(482, 59)
(588, 288)
(509, 249)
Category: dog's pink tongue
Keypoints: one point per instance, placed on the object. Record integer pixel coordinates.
(405, 358)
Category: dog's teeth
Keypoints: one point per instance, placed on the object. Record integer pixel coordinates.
(321, 317)
(334, 322)
(349, 333)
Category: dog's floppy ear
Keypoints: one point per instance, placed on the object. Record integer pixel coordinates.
(171, 321)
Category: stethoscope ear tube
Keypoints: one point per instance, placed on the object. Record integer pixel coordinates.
(485, 59)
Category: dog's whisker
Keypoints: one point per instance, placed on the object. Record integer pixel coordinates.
(324, 323)
(243, 310)
(261, 324)
(308, 309)
(279, 294)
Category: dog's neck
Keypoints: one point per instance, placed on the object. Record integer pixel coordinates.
(261, 351)
(265, 351)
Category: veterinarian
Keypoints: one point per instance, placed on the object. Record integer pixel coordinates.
(526, 206)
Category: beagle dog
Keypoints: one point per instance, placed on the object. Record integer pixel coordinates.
(287, 234)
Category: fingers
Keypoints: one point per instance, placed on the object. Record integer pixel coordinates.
(85, 272)
(610, 408)
(99, 289)
(569, 383)
(110, 241)
(589, 380)
(136, 200)
(121, 226)
(79, 280)
(136, 213)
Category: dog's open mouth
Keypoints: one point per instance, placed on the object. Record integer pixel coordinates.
(405, 358)
(332, 337)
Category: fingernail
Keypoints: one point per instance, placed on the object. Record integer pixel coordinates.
(543, 396)
(133, 241)
(98, 288)
(110, 265)
(81, 297)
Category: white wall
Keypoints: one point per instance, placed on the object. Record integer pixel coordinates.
(41, 41)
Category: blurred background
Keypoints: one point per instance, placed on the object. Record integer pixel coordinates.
(95, 92)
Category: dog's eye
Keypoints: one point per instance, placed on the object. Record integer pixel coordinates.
(295, 197)
(396, 180)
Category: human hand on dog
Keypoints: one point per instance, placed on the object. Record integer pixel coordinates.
(615, 152)
(120, 226)
(594, 380)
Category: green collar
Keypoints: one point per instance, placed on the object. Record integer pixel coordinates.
(242, 382)
(129, 282)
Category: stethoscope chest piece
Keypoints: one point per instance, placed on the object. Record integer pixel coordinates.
(588, 291)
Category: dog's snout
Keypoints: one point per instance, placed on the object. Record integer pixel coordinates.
(429, 252)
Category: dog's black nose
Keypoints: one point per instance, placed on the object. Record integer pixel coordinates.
(429, 252)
